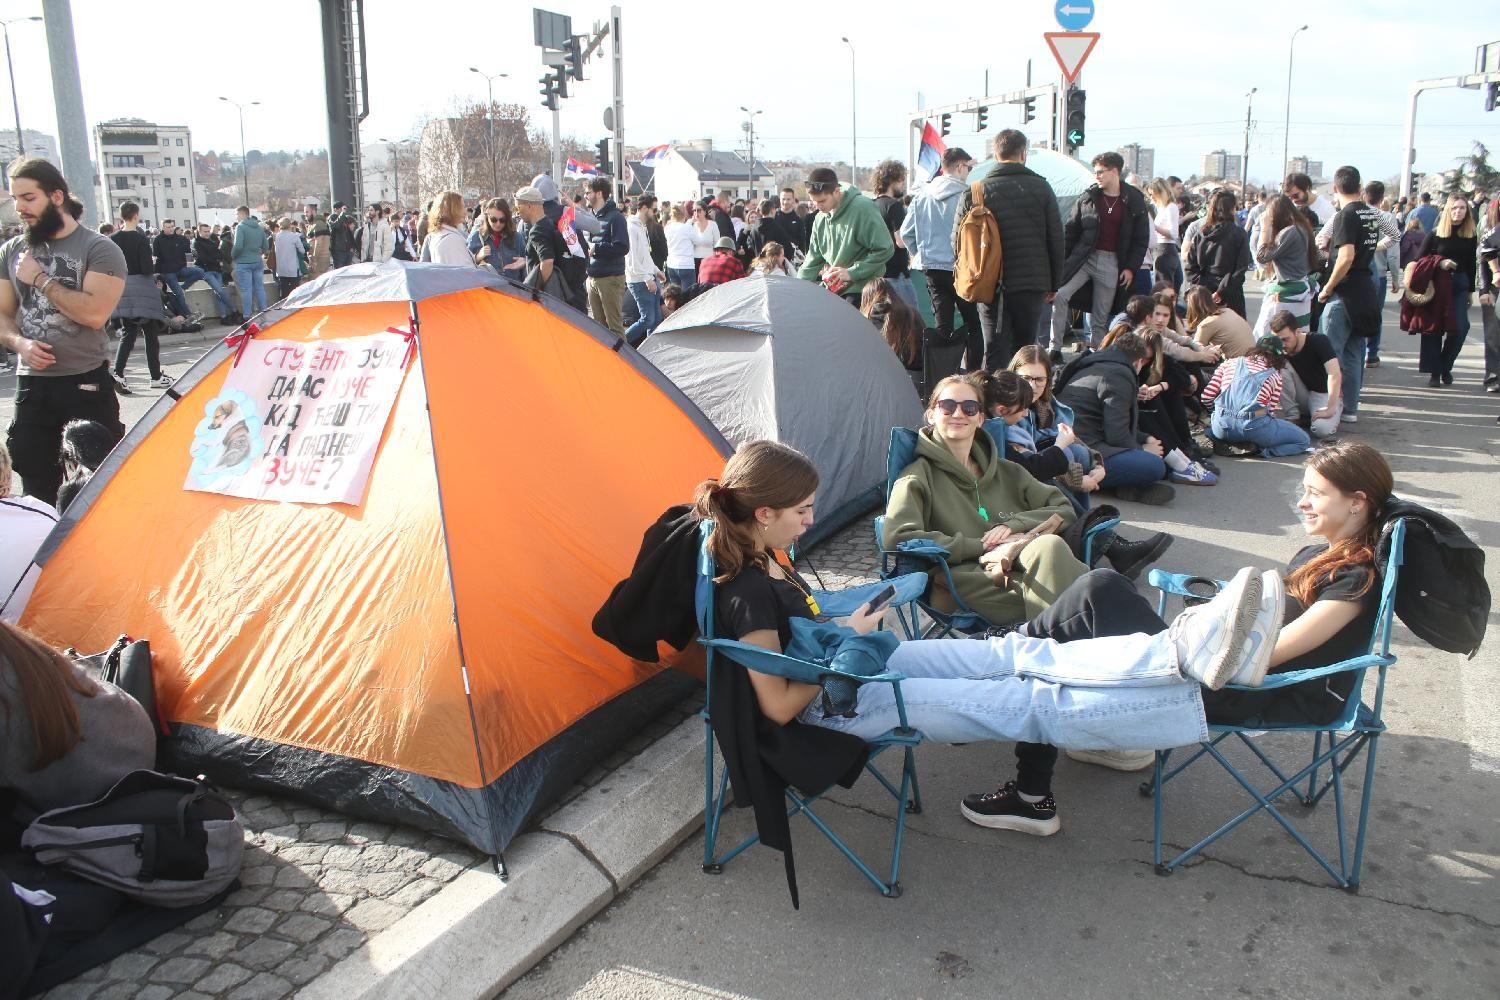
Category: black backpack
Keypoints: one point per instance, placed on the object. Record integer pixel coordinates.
(1441, 594)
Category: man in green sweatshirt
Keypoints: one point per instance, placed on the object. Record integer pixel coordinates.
(850, 242)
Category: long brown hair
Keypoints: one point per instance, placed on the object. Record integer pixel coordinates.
(1200, 306)
(902, 326)
(1220, 210)
(1351, 467)
(1283, 213)
(508, 228)
(47, 683)
(760, 474)
(1041, 400)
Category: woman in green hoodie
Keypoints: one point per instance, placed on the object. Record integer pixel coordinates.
(996, 521)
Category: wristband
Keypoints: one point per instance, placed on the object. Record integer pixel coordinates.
(42, 288)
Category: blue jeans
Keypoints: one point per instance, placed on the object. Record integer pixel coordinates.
(177, 282)
(1133, 468)
(252, 289)
(649, 305)
(682, 277)
(1372, 349)
(214, 281)
(1350, 350)
(1115, 693)
(1275, 438)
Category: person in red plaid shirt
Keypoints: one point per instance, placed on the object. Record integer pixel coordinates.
(722, 265)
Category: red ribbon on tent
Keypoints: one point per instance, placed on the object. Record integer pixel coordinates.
(236, 341)
(411, 343)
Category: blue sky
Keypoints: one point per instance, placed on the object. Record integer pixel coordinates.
(1171, 75)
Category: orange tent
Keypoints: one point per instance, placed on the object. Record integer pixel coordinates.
(424, 655)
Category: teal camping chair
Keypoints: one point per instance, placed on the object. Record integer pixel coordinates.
(716, 790)
(931, 558)
(1336, 745)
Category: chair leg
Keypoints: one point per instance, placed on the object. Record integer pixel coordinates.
(1159, 794)
(713, 809)
(914, 804)
(1312, 779)
(1364, 814)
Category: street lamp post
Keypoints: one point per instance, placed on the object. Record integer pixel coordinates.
(853, 115)
(1286, 141)
(244, 161)
(489, 82)
(750, 128)
(395, 146)
(1245, 160)
(14, 97)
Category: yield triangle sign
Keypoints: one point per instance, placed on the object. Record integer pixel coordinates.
(1071, 49)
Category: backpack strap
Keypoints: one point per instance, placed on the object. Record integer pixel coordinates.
(976, 191)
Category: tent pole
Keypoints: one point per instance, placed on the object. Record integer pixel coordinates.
(497, 861)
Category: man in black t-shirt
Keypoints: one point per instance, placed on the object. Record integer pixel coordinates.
(1351, 300)
(890, 191)
(544, 244)
(1312, 380)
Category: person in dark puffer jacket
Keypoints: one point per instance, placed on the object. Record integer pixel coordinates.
(1220, 256)
(1031, 244)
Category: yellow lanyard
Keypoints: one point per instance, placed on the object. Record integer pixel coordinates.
(790, 576)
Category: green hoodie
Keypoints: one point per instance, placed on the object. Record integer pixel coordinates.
(854, 236)
(937, 498)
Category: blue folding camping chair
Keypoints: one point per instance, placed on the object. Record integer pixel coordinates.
(931, 558)
(908, 796)
(1335, 745)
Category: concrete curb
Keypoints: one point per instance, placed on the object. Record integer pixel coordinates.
(479, 935)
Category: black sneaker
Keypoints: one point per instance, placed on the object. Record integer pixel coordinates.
(1129, 558)
(1006, 810)
(1056, 357)
(1154, 494)
(1227, 449)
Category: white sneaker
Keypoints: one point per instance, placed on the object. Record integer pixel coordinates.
(1349, 418)
(1209, 638)
(165, 382)
(1260, 642)
(1119, 760)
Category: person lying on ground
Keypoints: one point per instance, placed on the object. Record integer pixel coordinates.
(1099, 669)
(64, 739)
(998, 523)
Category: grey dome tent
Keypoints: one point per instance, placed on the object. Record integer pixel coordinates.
(773, 357)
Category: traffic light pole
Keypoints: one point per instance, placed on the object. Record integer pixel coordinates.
(1470, 81)
(617, 59)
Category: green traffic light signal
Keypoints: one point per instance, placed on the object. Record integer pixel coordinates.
(1075, 136)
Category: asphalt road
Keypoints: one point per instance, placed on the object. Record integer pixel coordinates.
(1081, 914)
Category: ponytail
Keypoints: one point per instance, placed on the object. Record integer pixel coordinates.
(760, 474)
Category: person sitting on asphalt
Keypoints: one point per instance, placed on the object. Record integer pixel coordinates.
(1312, 379)
(722, 266)
(1046, 681)
(64, 739)
(998, 523)
(1101, 388)
(1161, 402)
(1217, 326)
(1245, 394)
(899, 324)
(1007, 401)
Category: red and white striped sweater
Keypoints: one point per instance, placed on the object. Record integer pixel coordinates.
(1270, 390)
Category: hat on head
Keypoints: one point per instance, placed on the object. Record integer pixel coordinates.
(724, 243)
(1271, 344)
(530, 195)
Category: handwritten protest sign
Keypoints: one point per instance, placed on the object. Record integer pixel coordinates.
(299, 422)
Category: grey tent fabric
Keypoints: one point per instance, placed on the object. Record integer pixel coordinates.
(392, 281)
(1069, 176)
(772, 357)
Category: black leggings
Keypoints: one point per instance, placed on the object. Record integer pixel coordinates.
(129, 330)
(1102, 603)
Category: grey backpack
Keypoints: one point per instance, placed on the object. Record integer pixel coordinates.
(157, 838)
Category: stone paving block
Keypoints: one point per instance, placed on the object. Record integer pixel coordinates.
(303, 928)
(131, 965)
(340, 942)
(372, 915)
(286, 900)
(326, 830)
(215, 945)
(251, 920)
(180, 970)
(223, 977)
(302, 971)
(166, 944)
(414, 894)
(263, 987)
(154, 992)
(264, 954)
(452, 945)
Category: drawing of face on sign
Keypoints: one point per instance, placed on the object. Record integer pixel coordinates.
(227, 439)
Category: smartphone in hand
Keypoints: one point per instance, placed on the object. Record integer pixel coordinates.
(880, 600)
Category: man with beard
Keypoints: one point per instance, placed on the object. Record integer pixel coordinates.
(65, 281)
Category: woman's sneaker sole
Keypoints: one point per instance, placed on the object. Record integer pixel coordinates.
(1019, 824)
(1118, 760)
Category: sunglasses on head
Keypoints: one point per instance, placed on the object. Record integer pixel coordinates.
(822, 187)
(969, 406)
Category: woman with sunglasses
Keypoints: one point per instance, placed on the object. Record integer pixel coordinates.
(495, 242)
(997, 522)
(704, 234)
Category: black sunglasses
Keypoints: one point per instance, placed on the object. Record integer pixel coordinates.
(969, 406)
(822, 187)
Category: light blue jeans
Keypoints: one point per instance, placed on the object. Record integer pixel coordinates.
(648, 304)
(252, 289)
(1339, 330)
(1114, 693)
(212, 279)
(1275, 438)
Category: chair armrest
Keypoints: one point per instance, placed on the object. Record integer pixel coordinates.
(1274, 681)
(780, 665)
(1176, 583)
(837, 603)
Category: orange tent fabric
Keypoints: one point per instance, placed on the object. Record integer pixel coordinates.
(425, 655)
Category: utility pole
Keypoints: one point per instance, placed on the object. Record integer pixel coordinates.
(244, 161)
(395, 148)
(1245, 160)
(750, 129)
(853, 116)
(1471, 81)
(67, 97)
(14, 97)
(618, 62)
(1286, 141)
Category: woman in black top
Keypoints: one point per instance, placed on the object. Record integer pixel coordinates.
(1454, 240)
(140, 311)
(1220, 256)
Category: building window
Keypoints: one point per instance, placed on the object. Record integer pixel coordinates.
(166, 161)
(182, 182)
(181, 162)
(166, 142)
(179, 142)
(166, 182)
(121, 183)
(169, 203)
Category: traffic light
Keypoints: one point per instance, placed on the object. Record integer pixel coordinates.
(1028, 110)
(981, 116)
(1491, 96)
(549, 96)
(606, 169)
(560, 81)
(946, 121)
(1074, 119)
(574, 55)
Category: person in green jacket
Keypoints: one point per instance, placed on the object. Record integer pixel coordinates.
(850, 242)
(997, 522)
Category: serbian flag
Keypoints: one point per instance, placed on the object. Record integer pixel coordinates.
(656, 153)
(577, 168)
(931, 156)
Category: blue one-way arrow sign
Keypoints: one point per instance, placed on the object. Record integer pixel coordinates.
(1074, 15)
